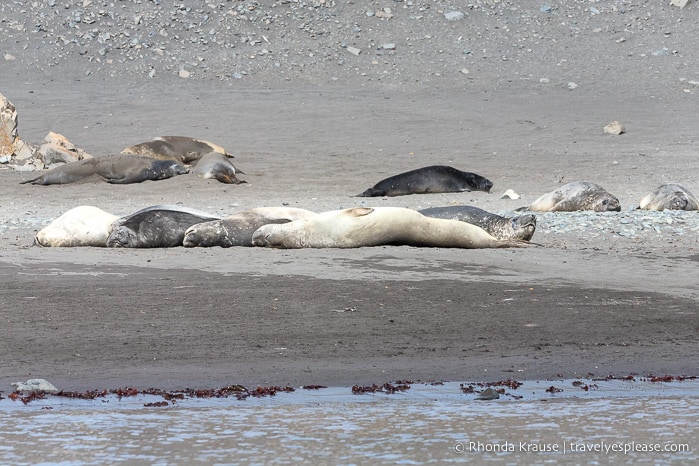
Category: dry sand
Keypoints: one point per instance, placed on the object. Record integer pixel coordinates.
(580, 303)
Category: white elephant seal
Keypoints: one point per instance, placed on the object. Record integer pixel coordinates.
(180, 148)
(80, 226)
(578, 195)
(670, 196)
(159, 226)
(520, 227)
(237, 229)
(114, 169)
(217, 166)
(365, 226)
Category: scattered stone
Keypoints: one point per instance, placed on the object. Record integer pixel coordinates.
(34, 385)
(510, 194)
(454, 16)
(679, 3)
(572, 85)
(389, 46)
(9, 57)
(353, 50)
(488, 394)
(184, 74)
(614, 128)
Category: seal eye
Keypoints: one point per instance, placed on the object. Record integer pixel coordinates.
(605, 202)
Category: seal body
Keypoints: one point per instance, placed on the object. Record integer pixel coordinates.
(237, 229)
(155, 227)
(426, 180)
(578, 195)
(521, 227)
(80, 226)
(670, 197)
(115, 169)
(180, 148)
(217, 166)
(365, 226)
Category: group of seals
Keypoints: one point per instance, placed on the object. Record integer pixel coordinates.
(584, 195)
(161, 158)
(116, 169)
(426, 180)
(172, 226)
(367, 226)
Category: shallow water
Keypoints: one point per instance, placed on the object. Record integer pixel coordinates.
(424, 424)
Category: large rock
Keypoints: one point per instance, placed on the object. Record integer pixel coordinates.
(11, 146)
(56, 149)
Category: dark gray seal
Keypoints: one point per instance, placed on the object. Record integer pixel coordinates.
(115, 169)
(670, 196)
(219, 167)
(578, 195)
(426, 180)
(237, 229)
(521, 227)
(181, 148)
(155, 227)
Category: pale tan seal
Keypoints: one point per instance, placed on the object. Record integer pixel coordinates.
(180, 148)
(670, 196)
(237, 229)
(365, 226)
(115, 169)
(80, 226)
(578, 195)
(215, 165)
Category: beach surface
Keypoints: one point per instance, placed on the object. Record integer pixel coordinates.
(517, 94)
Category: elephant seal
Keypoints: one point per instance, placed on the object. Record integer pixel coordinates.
(218, 166)
(578, 195)
(115, 169)
(80, 226)
(180, 148)
(426, 180)
(158, 226)
(670, 196)
(365, 226)
(520, 227)
(237, 229)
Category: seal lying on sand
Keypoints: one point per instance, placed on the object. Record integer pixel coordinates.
(670, 197)
(237, 229)
(218, 166)
(116, 169)
(155, 227)
(364, 226)
(181, 148)
(81, 226)
(520, 227)
(426, 180)
(578, 195)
